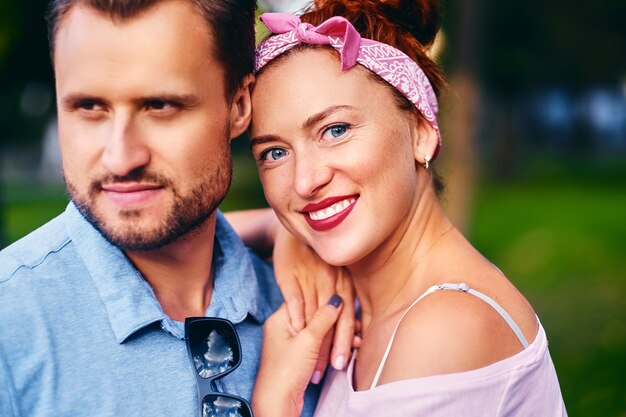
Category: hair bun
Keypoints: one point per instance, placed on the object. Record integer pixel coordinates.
(409, 25)
(419, 18)
(422, 18)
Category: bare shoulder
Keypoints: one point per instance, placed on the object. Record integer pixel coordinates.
(453, 331)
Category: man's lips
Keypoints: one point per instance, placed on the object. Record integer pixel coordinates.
(329, 212)
(130, 194)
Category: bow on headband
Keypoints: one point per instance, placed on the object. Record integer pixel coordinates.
(389, 63)
(336, 27)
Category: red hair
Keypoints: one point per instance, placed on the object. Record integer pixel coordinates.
(408, 25)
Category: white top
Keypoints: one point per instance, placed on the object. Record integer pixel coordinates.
(524, 384)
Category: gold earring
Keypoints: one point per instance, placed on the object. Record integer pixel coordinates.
(426, 161)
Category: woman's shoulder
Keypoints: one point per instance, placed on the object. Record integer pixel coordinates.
(452, 331)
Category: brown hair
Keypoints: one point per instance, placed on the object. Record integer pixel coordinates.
(230, 22)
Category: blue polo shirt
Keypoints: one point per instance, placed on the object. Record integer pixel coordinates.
(82, 333)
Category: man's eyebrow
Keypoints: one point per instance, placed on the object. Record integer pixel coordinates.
(187, 99)
(318, 117)
(71, 100)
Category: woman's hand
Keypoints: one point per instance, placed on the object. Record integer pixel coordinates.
(304, 279)
(307, 282)
(288, 360)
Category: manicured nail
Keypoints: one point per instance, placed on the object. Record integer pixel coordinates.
(339, 362)
(335, 301)
(316, 378)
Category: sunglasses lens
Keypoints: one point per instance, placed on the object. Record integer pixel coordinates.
(214, 349)
(215, 405)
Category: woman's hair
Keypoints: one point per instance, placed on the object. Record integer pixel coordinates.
(408, 25)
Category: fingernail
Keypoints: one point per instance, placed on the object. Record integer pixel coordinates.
(335, 301)
(316, 378)
(339, 362)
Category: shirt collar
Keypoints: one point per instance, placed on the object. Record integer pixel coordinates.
(130, 301)
(236, 289)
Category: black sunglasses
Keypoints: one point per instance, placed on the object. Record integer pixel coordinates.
(214, 351)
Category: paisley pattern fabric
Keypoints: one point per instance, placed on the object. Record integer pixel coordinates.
(389, 63)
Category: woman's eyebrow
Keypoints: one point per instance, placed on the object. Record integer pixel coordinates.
(316, 118)
(258, 140)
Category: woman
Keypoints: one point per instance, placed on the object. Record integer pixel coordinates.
(345, 134)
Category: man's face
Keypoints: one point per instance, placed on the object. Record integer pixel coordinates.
(144, 122)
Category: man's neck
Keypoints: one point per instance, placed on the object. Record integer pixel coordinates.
(181, 273)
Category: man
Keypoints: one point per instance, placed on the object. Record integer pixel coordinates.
(149, 95)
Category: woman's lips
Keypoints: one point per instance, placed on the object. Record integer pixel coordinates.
(329, 212)
(129, 195)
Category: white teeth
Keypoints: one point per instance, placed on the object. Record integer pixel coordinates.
(338, 207)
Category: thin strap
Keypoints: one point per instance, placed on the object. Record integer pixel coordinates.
(456, 287)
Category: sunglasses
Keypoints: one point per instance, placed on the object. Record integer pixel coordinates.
(214, 350)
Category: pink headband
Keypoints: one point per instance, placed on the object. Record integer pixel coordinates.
(389, 63)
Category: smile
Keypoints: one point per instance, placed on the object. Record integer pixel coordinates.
(329, 212)
(332, 210)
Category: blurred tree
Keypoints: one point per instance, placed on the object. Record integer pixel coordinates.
(573, 43)
(533, 45)
(460, 106)
(26, 80)
(25, 72)
(8, 33)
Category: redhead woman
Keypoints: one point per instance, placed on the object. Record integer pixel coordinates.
(345, 134)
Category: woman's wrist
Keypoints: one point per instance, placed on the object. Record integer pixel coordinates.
(273, 403)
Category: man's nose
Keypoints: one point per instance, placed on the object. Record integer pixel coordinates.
(124, 150)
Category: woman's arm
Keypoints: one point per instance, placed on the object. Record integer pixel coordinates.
(256, 227)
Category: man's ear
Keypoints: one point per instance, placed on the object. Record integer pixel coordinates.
(241, 107)
(425, 141)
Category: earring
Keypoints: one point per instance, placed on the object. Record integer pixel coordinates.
(426, 161)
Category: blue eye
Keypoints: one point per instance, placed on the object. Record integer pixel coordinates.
(336, 131)
(274, 154)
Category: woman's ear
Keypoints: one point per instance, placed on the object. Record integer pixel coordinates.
(241, 107)
(425, 141)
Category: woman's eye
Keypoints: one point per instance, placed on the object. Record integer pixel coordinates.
(274, 154)
(335, 131)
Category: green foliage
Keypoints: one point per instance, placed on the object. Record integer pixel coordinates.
(8, 28)
(533, 42)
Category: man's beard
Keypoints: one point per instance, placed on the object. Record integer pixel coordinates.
(186, 214)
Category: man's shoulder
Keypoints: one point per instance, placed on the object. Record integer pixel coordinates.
(32, 250)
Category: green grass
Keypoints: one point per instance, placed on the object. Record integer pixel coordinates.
(558, 232)
(29, 205)
(560, 236)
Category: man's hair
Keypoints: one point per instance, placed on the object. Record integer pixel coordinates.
(230, 22)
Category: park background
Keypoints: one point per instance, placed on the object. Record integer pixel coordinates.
(534, 157)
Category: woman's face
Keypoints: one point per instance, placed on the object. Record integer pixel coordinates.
(335, 155)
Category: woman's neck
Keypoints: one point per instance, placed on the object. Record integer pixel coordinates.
(399, 266)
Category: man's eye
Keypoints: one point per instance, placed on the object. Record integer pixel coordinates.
(89, 105)
(335, 131)
(158, 105)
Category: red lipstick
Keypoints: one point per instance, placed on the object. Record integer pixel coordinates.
(328, 223)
